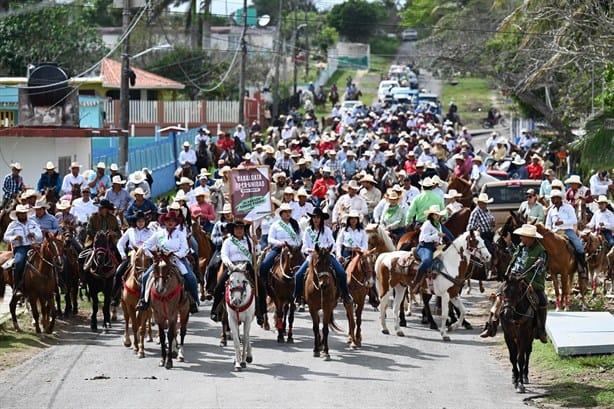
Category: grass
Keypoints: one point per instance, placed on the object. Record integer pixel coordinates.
(472, 95)
(586, 381)
(380, 63)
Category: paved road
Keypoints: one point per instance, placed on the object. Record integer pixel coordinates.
(419, 370)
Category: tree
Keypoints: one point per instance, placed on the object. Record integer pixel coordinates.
(356, 20)
(49, 34)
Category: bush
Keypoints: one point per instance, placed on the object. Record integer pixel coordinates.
(384, 45)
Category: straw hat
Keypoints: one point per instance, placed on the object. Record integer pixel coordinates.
(302, 192)
(16, 165)
(602, 199)
(41, 204)
(434, 209)
(226, 209)
(518, 161)
(285, 207)
(528, 230)
(536, 156)
(452, 193)
(180, 195)
(186, 144)
(556, 193)
(477, 158)
(185, 180)
(75, 165)
(63, 205)
(549, 172)
(225, 169)
(101, 165)
(353, 185)
(427, 182)
(326, 169)
(483, 198)
(574, 179)
(117, 180)
(556, 183)
(199, 191)
(137, 191)
(392, 195)
(269, 149)
(49, 166)
(368, 178)
(114, 167)
(20, 209)
(352, 214)
(137, 177)
(288, 191)
(31, 192)
(278, 175)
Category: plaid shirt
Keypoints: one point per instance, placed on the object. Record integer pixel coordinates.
(11, 187)
(335, 166)
(287, 165)
(482, 220)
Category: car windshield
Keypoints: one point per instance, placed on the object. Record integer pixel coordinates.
(514, 193)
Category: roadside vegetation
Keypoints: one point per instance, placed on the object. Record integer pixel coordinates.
(473, 96)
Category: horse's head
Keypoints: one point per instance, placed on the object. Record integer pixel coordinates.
(102, 256)
(52, 252)
(322, 268)
(238, 287)
(476, 247)
(367, 264)
(165, 278)
(514, 291)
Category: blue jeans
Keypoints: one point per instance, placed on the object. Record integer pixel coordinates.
(399, 232)
(20, 253)
(267, 264)
(189, 278)
(425, 252)
(264, 240)
(208, 227)
(575, 240)
(608, 236)
(299, 278)
(447, 232)
(194, 246)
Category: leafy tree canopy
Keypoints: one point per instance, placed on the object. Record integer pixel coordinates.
(356, 20)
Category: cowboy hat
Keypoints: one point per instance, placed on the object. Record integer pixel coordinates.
(226, 209)
(101, 165)
(186, 144)
(528, 230)
(114, 167)
(278, 175)
(288, 191)
(185, 180)
(392, 195)
(20, 209)
(398, 188)
(602, 199)
(301, 162)
(549, 172)
(117, 180)
(318, 212)
(137, 191)
(477, 158)
(368, 178)
(351, 153)
(63, 205)
(49, 166)
(106, 204)
(199, 191)
(434, 209)
(237, 223)
(170, 216)
(353, 185)
(75, 165)
(518, 161)
(180, 195)
(302, 192)
(427, 182)
(247, 156)
(224, 170)
(16, 165)
(137, 177)
(269, 149)
(352, 214)
(452, 193)
(285, 207)
(574, 179)
(31, 192)
(326, 169)
(536, 156)
(557, 183)
(483, 198)
(41, 204)
(437, 180)
(458, 156)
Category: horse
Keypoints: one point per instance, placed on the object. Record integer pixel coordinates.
(281, 288)
(327, 205)
(360, 272)
(71, 269)
(75, 191)
(518, 323)
(99, 271)
(169, 302)
(41, 274)
(184, 171)
(204, 158)
(378, 239)
(321, 294)
(205, 252)
(241, 308)
(131, 292)
(482, 179)
(333, 96)
(596, 248)
(564, 264)
(217, 200)
(464, 188)
(389, 179)
(5, 213)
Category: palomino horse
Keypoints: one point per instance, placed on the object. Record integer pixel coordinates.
(205, 252)
(240, 307)
(281, 288)
(131, 292)
(99, 270)
(464, 188)
(321, 294)
(597, 248)
(360, 272)
(562, 262)
(41, 273)
(169, 302)
(518, 323)
(71, 270)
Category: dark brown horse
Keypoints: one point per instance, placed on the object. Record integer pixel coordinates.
(321, 294)
(281, 288)
(41, 274)
(75, 191)
(5, 213)
(361, 274)
(463, 187)
(518, 323)
(71, 271)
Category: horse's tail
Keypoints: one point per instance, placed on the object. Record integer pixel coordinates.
(333, 324)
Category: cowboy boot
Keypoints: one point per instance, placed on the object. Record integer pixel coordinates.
(582, 268)
(490, 328)
(415, 285)
(218, 294)
(18, 279)
(542, 312)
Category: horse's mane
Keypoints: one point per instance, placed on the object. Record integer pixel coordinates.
(384, 238)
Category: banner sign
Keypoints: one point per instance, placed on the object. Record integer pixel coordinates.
(250, 196)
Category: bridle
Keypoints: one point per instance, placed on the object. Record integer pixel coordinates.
(290, 252)
(241, 288)
(519, 278)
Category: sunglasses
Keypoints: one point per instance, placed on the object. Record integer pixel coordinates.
(530, 196)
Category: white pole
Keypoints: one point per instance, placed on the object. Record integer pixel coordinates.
(132, 130)
(187, 113)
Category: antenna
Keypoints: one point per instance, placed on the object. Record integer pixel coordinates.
(264, 20)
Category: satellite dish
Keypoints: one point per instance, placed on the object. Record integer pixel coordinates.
(264, 20)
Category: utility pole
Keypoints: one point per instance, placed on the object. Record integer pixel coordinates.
(306, 46)
(124, 92)
(243, 66)
(295, 48)
(278, 57)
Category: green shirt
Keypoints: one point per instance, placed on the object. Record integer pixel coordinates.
(524, 259)
(420, 204)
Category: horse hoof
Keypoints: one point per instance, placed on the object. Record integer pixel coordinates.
(161, 364)
(280, 339)
(446, 338)
(243, 365)
(400, 333)
(237, 369)
(326, 357)
(266, 326)
(128, 344)
(525, 379)
(181, 359)
(290, 340)
(94, 328)
(316, 354)
(223, 343)
(141, 355)
(386, 332)
(467, 325)
(114, 318)
(403, 324)
(353, 345)
(520, 388)
(249, 359)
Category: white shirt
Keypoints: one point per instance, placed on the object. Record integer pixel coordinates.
(429, 233)
(233, 253)
(348, 237)
(299, 211)
(346, 203)
(410, 194)
(190, 199)
(200, 138)
(281, 233)
(175, 243)
(17, 228)
(606, 217)
(311, 238)
(598, 186)
(258, 157)
(266, 223)
(565, 213)
(189, 156)
(83, 210)
(379, 209)
(134, 238)
(75, 180)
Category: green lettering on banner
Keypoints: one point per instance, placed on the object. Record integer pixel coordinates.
(247, 205)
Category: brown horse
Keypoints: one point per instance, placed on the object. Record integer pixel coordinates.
(597, 248)
(321, 294)
(75, 191)
(205, 252)
(5, 213)
(409, 240)
(71, 269)
(562, 261)
(131, 291)
(281, 288)
(40, 280)
(463, 187)
(457, 223)
(169, 303)
(360, 272)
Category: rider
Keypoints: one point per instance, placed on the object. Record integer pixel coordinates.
(237, 248)
(99, 181)
(187, 157)
(603, 220)
(73, 178)
(133, 238)
(284, 232)
(117, 194)
(529, 260)
(482, 219)
(13, 183)
(171, 241)
(217, 238)
(142, 204)
(431, 234)
(393, 215)
(21, 233)
(531, 209)
(318, 234)
(350, 201)
(83, 207)
(50, 179)
(562, 216)
(103, 220)
(352, 238)
(45, 221)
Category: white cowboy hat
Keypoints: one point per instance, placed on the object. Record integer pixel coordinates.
(452, 193)
(226, 209)
(301, 162)
(368, 178)
(114, 167)
(185, 180)
(29, 193)
(483, 197)
(302, 192)
(557, 183)
(117, 180)
(536, 156)
(288, 191)
(326, 169)
(528, 230)
(225, 169)
(49, 166)
(16, 165)
(434, 209)
(137, 191)
(278, 175)
(186, 143)
(437, 180)
(285, 207)
(398, 188)
(75, 165)
(63, 205)
(41, 204)
(458, 156)
(174, 206)
(199, 191)
(477, 158)
(247, 156)
(602, 199)
(389, 153)
(518, 161)
(180, 195)
(101, 165)
(331, 152)
(204, 172)
(137, 177)
(427, 182)
(353, 185)
(351, 153)
(269, 149)
(574, 179)
(352, 213)
(20, 209)
(392, 195)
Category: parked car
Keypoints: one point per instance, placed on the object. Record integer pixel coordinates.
(383, 91)
(507, 195)
(409, 34)
(350, 104)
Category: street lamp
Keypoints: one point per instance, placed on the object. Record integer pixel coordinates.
(154, 48)
(296, 32)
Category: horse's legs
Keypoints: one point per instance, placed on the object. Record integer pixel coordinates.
(468, 286)
(106, 308)
(382, 311)
(427, 315)
(521, 363)
(183, 329)
(142, 319)
(247, 347)
(279, 324)
(456, 301)
(289, 339)
(349, 311)
(445, 305)
(58, 299)
(481, 286)
(512, 348)
(358, 334)
(315, 319)
(326, 319)
(557, 293)
(93, 319)
(168, 362)
(52, 312)
(399, 294)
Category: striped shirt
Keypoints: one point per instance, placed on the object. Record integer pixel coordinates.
(481, 219)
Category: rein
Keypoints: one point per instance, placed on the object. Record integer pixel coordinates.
(164, 299)
(240, 308)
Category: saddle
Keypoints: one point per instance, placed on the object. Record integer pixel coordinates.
(568, 244)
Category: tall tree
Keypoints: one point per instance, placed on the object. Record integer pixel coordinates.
(356, 20)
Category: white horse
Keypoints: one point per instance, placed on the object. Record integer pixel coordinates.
(217, 200)
(327, 205)
(438, 284)
(241, 307)
(484, 178)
